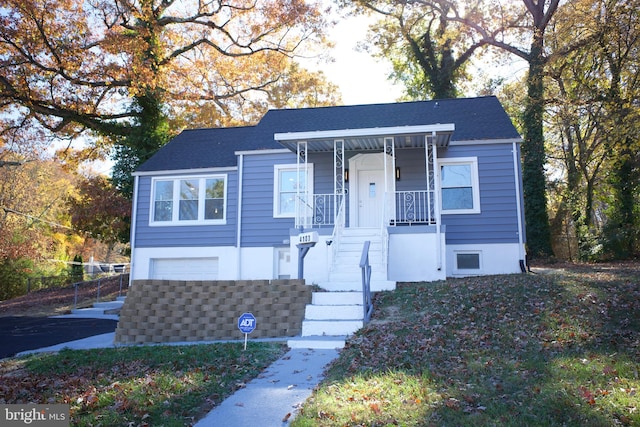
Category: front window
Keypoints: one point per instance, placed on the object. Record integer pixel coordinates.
(289, 183)
(459, 186)
(189, 200)
(163, 201)
(214, 201)
(189, 193)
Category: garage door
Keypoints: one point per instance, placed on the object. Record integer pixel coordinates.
(184, 268)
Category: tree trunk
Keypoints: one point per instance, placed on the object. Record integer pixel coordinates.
(533, 152)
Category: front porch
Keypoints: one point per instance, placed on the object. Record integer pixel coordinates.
(381, 181)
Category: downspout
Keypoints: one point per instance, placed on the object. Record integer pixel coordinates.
(132, 238)
(239, 216)
(516, 174)
(436, 201)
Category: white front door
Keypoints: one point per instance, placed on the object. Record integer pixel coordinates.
(370, 197)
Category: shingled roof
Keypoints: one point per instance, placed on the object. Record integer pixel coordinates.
(475, 119)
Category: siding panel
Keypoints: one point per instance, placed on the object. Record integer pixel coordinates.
(190, 235)
(259, 227)
(498, 221)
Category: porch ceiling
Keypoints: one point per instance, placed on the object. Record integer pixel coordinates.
(369, 139)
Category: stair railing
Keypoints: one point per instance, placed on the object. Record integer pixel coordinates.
(336, 236)
(367, 302)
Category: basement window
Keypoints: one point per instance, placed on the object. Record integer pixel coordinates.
(467, 261)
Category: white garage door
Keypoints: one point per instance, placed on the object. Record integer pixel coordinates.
(184, 268)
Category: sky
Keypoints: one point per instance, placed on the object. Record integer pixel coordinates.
(361, 78)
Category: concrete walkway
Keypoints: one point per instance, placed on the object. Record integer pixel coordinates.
(271, 399)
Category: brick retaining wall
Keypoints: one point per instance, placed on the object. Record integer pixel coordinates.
(158, 311)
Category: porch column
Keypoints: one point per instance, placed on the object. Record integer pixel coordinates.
(301, 198)
(429, 176)
(338, 181)
(390, 197)
(436, 197)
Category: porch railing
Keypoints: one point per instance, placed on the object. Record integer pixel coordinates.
(411, 207)
(318, 210)
(336, 236)
(414, 207)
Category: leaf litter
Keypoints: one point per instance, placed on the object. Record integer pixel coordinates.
(501, 350)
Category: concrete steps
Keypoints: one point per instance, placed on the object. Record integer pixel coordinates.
(329, 320)
(337, 313)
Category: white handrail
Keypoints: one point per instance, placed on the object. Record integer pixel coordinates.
(336, 235)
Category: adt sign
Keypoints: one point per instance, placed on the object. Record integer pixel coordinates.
(246, 323)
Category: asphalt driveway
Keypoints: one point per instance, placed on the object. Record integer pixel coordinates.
(29, 333)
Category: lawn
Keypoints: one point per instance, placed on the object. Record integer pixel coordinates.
(552, 348)
(545, 349)
(136, 386)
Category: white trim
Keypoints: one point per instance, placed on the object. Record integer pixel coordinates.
(358, 163)
(486, 141)
(276, 186)
(436, 194)
(467, 271)
(269, 151)
(475, 183)
(132, 238)
(516, 174)
(239, 213)
(350, 133)
(191, 172)
(175, 222)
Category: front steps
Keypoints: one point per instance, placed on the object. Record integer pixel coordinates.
(346, 274)
(329, 319)
(334, 315)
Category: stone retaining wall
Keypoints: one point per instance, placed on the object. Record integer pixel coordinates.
(157, 311)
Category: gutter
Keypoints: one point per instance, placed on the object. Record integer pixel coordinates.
(516, 170)
(239, 216)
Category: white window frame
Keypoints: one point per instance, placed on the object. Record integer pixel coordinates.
(475, 183)
(276, 186)
(175, 221)
(458, 270)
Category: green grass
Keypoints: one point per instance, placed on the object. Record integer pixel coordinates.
(536, 349)
(152, 385)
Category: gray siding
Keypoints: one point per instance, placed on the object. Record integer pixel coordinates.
(498, 221)
(181, 235)
(259, 227)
